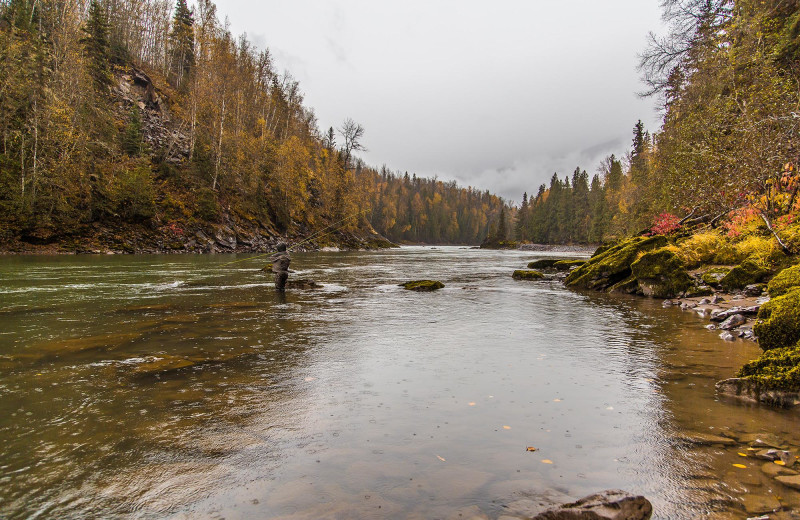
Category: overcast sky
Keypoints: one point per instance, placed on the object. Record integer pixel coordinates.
(495, 94)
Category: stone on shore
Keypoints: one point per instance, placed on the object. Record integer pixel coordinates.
(737, 320)
(422, 285)
(756, 391)
(661, 274)
(544, 263)
(566, 265)
(707, 439)
(747, 273)
(523, 274)
(607, 505)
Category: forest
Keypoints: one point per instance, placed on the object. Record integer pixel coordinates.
(143, 115)
(726, 77)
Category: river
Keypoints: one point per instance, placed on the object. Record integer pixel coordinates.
(185, 387)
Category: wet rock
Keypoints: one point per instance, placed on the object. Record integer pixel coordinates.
(760, 504)
(773, 470)
(717, 299)
(768, 454)
(777, 369)
(669, 303)
(777, 324)
(704, 301)
(699, 290)
(733, 322)
(727, 336)
(752, 390)
(523, 274)
(707, 439)
(711, 326)
(422, 285)
(544, 263)
(714, 275)
(722, 315)
(607, 505)
(688, 306)
(784, 281)
(755, 289)
(567, 265)
(792, 481)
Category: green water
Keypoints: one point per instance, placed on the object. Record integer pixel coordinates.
(185, 387)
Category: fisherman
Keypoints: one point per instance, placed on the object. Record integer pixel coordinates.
(280, 266)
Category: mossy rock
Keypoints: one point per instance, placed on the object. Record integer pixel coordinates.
(698, 291)
(784, 281)
(566, 265)
(713, 276)
(422, 285)
(778, 321)
(613, 265)
(661, 274)
(629, 285)
(527, 275)
(747, 273)
(544, 263)
(776, 369)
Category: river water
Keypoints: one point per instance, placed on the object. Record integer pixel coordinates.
(185, 387)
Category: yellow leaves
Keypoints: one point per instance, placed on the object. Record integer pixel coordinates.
(780, 463)
(547, 461)
(441, 458)
(740, 466)
(531, 448)
(506, 427)
(742, 454)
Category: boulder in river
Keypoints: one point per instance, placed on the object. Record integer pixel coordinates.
(566, 265)
(612, 265)
(607, 505)
(544, 263)
(422, 285)
(527, 274)
(661, 274)
(747, 273)
(737, 320)
(792, 481)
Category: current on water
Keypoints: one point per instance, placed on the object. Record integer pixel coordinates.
(185, 387)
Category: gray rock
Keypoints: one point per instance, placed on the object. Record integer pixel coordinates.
(733, 322)
(754, 289)
(711, 326)
(749, 391)
(668, 303)
(704, 301)
(607, 505)
(722, 315)
(688, 305)
(727, 336)
(717, 299)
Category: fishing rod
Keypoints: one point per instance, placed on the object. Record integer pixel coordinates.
(315, 235)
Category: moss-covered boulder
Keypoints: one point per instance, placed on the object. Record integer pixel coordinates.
(544, 263)
(613, 265)
(698, 291)
(778, 321)
(523, 274)
(776, 369)
(713, 276)
(661, 274)
(784, 281)
(422, 285)
(748, 272)
(566, 265)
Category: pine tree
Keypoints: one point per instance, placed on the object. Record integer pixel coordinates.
(96, 46)
(132, 137)
(181, 41)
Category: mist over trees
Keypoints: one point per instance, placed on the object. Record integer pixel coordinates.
(726, 73)
(151, 113)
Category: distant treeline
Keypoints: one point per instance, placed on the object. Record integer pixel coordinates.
(728, 75)
(149, 113)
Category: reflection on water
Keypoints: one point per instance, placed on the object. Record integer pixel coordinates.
(183, 386)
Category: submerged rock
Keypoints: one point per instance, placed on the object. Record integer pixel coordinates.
(527, 275)
(544, 263)
(756, 391)
(778, 323)
(422, 285)
(784, 281)
(607, 505)
(792, 481)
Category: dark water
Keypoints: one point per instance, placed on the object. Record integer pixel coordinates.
(182, 387)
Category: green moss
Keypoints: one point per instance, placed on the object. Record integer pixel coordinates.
(613, 265)
(714, 275)
(696, 291)
(661, 274)
(527, 275)
(778, 322)
(422, 285)
(776, 369)
(748, 272)
(566, 265)
(544, 263)
(784, 281)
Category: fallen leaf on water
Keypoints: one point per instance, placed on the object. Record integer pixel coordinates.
(472, 404)
(780, 463)
(742, 454)
(741, 466)
(547, 461)
(610, 408)
(531, 448)
(441, 458)
(506, 427)
(309, 379)
(556, 400)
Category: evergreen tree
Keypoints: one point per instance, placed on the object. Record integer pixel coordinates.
(181, 41)
(96, 46)
(132, 137)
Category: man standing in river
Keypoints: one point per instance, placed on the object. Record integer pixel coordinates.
(280, 266)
